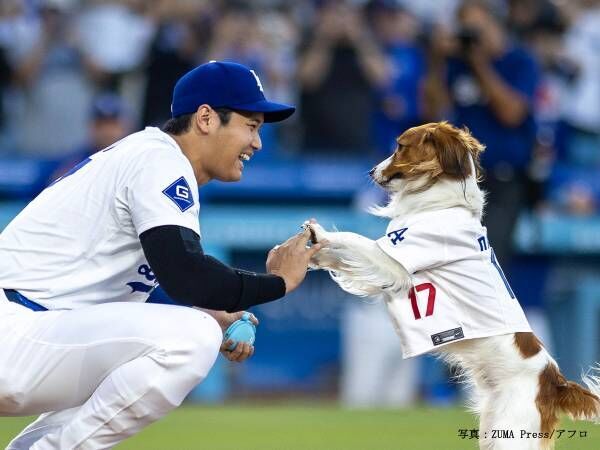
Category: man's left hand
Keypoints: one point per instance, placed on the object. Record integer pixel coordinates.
(242, 350)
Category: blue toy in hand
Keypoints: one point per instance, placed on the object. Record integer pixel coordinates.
(241, 330)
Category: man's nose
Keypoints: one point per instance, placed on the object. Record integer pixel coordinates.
(257, 143)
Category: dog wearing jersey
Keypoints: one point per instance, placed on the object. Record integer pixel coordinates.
(446, 293)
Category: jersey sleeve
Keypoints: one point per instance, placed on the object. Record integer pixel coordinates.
(162, 190)
(417, 247)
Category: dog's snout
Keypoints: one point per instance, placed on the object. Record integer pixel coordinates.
(372, 171)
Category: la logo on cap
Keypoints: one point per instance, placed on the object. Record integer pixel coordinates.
(257, 80)
(258, 83)
(225, 84)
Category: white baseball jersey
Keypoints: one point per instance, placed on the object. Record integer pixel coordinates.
(77, 243)
(459, 290)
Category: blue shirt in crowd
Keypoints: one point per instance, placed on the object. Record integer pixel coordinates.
(398, 104)
(518, 68)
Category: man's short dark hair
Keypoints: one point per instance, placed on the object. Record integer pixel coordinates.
(182, 124)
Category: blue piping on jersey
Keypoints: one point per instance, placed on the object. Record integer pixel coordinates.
(501, 272)
(15, 297)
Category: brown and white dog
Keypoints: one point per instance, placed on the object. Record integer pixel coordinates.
(516, 384)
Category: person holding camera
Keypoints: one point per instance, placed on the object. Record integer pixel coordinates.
(482, 79)
(339, 64)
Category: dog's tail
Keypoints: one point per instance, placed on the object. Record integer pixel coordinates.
(558, 395)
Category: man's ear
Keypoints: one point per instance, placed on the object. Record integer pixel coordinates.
(204, 118)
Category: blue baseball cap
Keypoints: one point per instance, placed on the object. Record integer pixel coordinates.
(108, 106)
(225, 85)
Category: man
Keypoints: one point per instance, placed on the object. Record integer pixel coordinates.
(488, 83)
(339, 62)
(52, 81)
(398, 97)
(76, 265)
(109, 121)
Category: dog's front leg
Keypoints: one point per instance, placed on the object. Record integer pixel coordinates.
(357, 263)
(330, 257)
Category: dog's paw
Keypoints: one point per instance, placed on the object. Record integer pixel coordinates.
(317, 232)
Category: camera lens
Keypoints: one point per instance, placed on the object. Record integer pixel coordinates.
(467, 38)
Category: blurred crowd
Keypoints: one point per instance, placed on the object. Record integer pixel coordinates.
(523, 75)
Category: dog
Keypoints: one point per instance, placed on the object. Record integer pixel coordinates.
(446, 293)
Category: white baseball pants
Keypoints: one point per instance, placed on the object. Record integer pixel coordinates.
(99, 374)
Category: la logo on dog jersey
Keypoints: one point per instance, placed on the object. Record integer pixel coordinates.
(180, 193)
(397, 235)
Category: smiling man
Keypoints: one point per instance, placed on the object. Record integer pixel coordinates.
(80, 345)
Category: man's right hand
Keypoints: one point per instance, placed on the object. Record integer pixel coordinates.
(290, 259)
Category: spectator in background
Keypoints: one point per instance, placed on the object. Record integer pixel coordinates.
(181, 26)
(109, 121)
(398, 102)
(280, 34)
(236, 36)
(8, 9)
(5, 76)
(339, 64)
(115, 36)
(541, 25)
(488, 83)
(431, 12)
(239, 35)
(55, 90)
(563, 110)
(525, 16)
(581, 106)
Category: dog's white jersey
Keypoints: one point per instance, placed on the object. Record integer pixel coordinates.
(77, 243)
(459, 290)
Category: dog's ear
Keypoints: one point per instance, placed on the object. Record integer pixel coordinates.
(457, 151)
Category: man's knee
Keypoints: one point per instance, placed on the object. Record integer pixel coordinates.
(197, 342)
(203, 330)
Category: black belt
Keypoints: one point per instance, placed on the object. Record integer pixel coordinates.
(15, 297)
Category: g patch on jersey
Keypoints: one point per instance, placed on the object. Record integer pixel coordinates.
(180, 193)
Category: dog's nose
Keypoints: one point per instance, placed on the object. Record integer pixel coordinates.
(372, 171)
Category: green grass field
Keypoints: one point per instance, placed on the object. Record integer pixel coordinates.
(313, 428)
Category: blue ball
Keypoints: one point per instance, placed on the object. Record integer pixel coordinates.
(241, 330)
